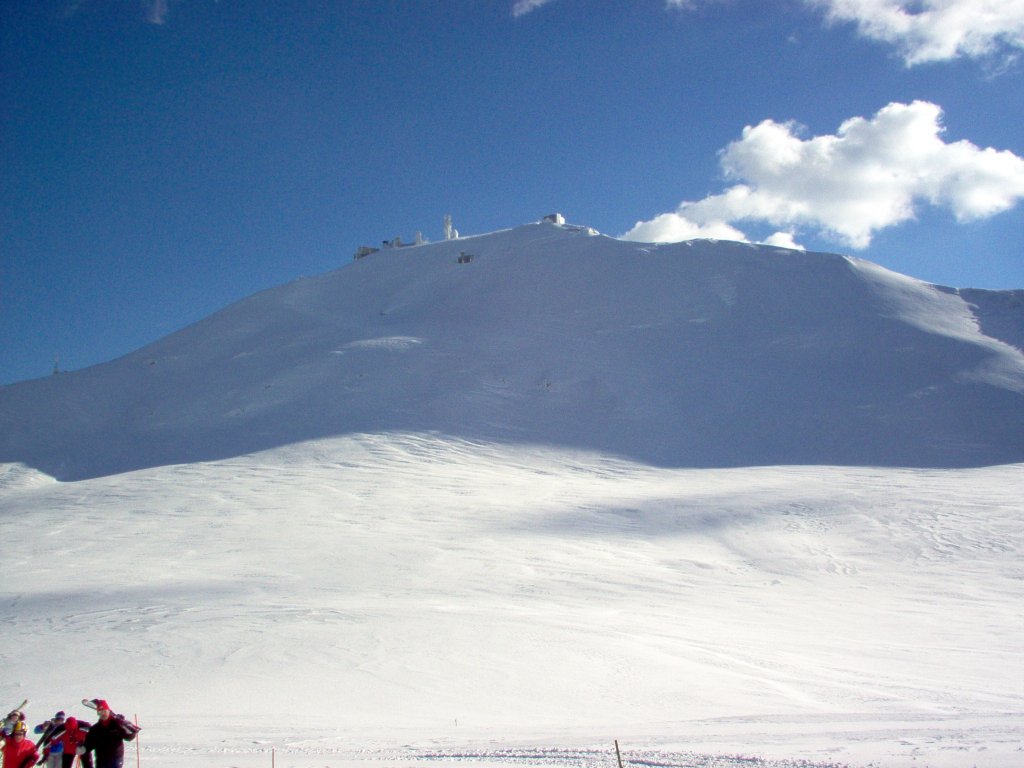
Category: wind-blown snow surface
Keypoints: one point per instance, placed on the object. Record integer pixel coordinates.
(473, 533)
(409, 595)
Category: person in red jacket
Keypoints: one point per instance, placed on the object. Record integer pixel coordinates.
(106, 737)
(65, 741)
(19, 751)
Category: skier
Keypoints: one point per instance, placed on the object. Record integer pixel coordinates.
(107, 737)
(66, 742)
(74, 743)
(47, 727)
(19, 751)
(52, 746)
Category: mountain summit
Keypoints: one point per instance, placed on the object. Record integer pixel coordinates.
(698, 354)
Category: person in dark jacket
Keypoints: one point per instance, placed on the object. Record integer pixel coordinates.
(107, 736)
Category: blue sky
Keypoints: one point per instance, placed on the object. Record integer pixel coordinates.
(163, 159)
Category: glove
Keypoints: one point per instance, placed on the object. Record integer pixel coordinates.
(80, 751)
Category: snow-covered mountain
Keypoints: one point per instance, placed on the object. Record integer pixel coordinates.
(700, 354)
(502, 512)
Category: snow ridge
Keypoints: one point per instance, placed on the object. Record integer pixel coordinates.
(703, 354)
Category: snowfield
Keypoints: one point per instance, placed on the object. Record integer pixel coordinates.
(411, 597)
(412, 513)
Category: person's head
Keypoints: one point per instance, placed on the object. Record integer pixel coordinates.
(20, 729)
(103, 709)
(58, 718)
(71, 724)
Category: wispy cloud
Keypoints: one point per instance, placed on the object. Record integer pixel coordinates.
(870, 175)
(70, 8)
(689, 5)
(153, 11)
(935, 30)
(156, 11)
(522, 7)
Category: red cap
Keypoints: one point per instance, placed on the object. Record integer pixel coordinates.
(101, 704)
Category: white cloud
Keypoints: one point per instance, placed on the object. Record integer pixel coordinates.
(922, 30)
(522, 7)
(868, 176)
(784, 240)
(673, 228)
(935, 30)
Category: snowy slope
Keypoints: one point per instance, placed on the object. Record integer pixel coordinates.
(407, 597)
(698, 354)
(504, 512)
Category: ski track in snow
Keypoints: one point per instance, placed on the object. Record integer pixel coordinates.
(531, 757)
